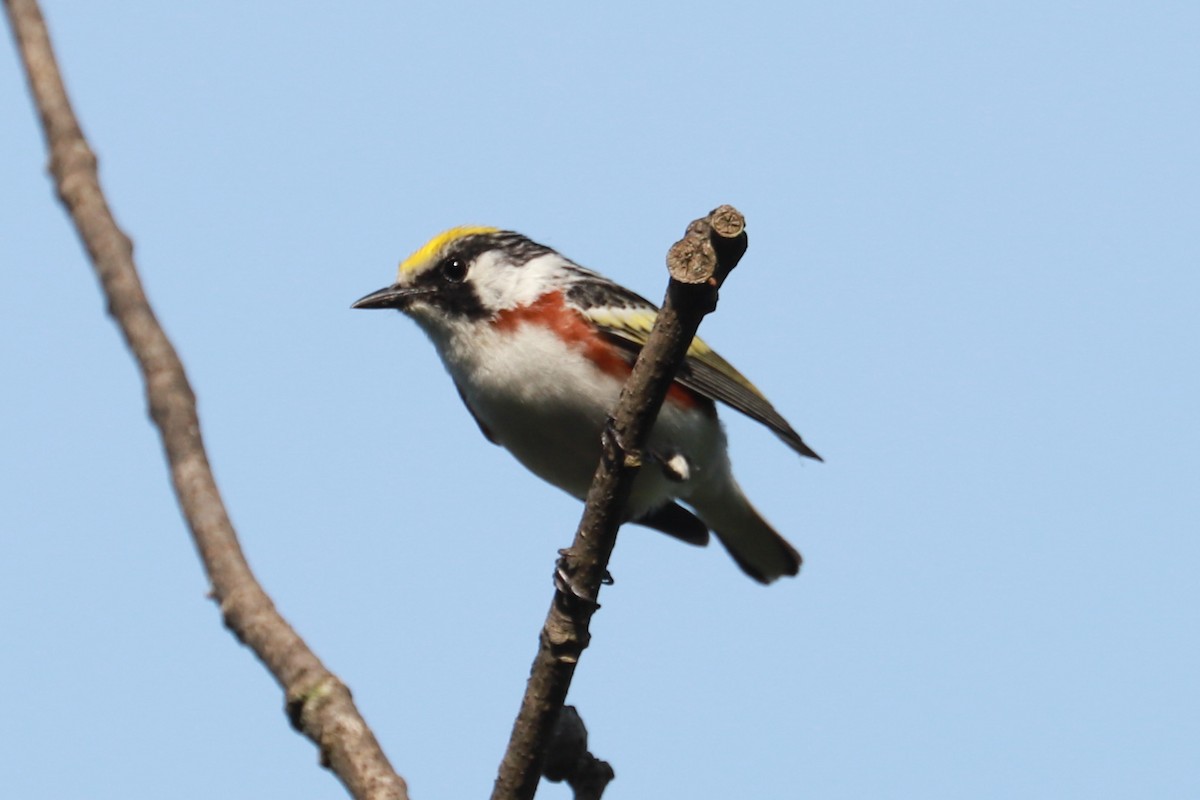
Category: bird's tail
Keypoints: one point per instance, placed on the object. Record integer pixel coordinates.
(761, 552)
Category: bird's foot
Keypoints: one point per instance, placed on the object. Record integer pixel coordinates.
(615, 447)
(568, 581)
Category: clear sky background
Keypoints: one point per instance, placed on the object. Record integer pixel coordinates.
(973, 284)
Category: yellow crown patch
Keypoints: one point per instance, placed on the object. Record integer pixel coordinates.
(430, 249)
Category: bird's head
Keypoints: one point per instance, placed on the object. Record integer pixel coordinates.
(469, 273)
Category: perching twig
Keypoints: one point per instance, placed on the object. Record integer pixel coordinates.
(318, 703)
(698, 265)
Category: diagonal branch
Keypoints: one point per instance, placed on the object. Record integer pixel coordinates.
(318, 703)
(698, 265)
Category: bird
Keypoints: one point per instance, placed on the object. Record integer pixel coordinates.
(539, 347)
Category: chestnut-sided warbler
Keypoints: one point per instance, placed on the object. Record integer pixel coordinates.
(539, 347)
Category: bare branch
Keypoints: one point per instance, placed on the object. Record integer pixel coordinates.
(318, 703)
(698, 264)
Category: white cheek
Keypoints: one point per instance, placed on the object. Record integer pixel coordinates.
(504, 286)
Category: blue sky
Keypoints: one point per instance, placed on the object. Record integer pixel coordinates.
(973, 285)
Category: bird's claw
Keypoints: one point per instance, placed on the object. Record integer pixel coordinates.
(567, 580)
(615, 446)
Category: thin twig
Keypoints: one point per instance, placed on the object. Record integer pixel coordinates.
(698, 265)
(318, 703)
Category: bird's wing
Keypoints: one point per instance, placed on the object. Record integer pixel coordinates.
(626, 319)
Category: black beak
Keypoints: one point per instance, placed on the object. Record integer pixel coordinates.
(389, 297)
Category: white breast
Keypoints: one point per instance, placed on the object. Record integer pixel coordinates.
(547, 404)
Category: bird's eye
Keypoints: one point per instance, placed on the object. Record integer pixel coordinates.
(454, 269)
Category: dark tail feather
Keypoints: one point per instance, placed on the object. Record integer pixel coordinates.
(675, 520)
(761, 552)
